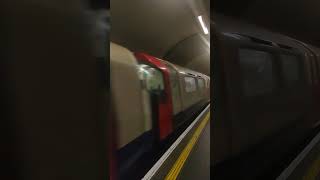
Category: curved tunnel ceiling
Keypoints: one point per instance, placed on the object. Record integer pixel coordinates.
(195, 49)
(162, 28)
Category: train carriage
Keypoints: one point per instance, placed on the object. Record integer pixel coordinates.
(153, 83)
(151, 100)
(182, 89)
(270, 85)
(189, 87)
(129, 106)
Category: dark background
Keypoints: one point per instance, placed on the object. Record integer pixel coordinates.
(299, 19)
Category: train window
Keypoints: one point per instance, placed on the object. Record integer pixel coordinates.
(290, 66)
(257, 73)
(151, 77)
(201, 83)
(190, 84)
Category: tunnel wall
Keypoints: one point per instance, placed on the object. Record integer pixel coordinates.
(192, 52)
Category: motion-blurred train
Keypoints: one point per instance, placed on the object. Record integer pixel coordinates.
(267, 95)
(151, 97)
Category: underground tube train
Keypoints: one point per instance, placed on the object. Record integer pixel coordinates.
(268, 92)
(151, 97)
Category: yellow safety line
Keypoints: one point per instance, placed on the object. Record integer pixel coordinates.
(175, 170)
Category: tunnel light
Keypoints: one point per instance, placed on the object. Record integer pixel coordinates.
(205, 29)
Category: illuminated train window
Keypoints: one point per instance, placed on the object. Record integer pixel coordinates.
(190, 84)
(257, 72)
(152, 78)
(201, 83)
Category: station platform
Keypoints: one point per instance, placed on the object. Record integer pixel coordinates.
(189, 156)
(306, 165)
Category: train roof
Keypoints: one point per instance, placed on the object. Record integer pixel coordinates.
(242, 30)
(121, 54)
(178, 68)
(289, 44)
(315, 49)
(184, 70)
(189, 71)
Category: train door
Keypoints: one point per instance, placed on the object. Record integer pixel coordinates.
(316, 86)
(208, 88)
(153, 85)
(202, 87)
(317, 107)
(145, 79)
(175, 90)
(223, 107)
(189, 90)
(254, 102)
(293, 86)
(251, 106)
(313, 84)
(259, 114)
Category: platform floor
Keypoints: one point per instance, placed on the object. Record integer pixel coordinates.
(189, 156)
(197, 165)
(306, 165)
